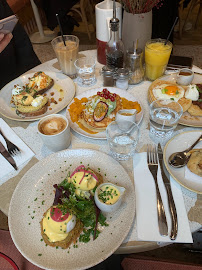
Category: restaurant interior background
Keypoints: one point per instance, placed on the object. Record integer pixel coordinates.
(190, 44)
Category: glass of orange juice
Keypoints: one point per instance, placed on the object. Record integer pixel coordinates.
(157, 55)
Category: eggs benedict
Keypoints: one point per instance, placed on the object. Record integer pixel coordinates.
(60, 229)
(85, 181)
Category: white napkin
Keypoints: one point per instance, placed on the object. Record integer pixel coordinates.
(25, 155)
(146, 212)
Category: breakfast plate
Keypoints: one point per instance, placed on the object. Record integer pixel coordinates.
(87, 94)
(35, 193)
(186, 119)
(179, 143)
(62, 92)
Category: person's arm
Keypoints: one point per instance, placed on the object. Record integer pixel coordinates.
(4, 40)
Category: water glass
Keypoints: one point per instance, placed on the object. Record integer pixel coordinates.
(85, 68)
(164, 117)
(122, 137)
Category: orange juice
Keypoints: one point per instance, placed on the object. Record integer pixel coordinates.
(156, 57)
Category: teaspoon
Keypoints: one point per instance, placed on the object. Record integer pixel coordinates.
(180, 159)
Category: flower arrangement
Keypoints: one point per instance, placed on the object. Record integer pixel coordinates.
(140, 6)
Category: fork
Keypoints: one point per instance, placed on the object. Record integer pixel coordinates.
(152, 162)
(12, 148)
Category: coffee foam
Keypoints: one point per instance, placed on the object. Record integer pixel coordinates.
(52, 126)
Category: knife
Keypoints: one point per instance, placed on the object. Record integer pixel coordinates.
(7, 156)
(171, 203)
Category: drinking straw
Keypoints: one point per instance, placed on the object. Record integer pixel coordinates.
(171, 30)
(60, 29)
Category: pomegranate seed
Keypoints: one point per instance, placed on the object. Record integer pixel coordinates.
(112, 99)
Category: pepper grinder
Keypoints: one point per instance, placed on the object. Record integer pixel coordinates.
(134, 62)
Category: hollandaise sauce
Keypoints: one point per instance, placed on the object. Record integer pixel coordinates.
(83, 180)
(108, 194)
(56, 225)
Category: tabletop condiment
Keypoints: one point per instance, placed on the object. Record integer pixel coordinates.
(115, 47)
(134, 62)
(122, 76)
(108, 76)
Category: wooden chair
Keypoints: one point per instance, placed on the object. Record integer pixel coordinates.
(81, 7)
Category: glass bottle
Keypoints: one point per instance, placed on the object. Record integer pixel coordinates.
(122, 78)
(114, 48)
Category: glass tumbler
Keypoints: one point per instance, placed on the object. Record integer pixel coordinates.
(164, 116)
(85, 69)
(157, 55)
(66, 55)
(122, 137)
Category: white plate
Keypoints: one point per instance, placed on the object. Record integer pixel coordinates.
(179, 143)
(60, 82)
(28, 197)
(102, 135)
(187, 119)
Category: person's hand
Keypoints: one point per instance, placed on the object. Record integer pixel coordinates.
(4, 40)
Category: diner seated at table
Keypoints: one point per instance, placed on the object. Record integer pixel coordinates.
(60, 7)
(16, 54)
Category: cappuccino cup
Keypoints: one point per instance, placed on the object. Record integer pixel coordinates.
(54, 130)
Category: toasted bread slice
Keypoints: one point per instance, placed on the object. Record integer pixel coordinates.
(39, 83)
(31, 110)
(71, 237)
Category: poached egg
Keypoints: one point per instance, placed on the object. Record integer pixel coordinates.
(84, 182)
(57, 225)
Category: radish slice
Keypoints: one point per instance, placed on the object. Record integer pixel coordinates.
(81, 168)
(77, 170)
(82, 177)
(91, 173)
(56, 215)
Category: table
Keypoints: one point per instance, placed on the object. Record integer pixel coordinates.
(193, 201)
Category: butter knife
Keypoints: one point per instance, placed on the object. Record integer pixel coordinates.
(171, 203)
(7, 156)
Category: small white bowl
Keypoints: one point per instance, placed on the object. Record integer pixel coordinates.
(108, 207)
(126, 115)
(185, 76)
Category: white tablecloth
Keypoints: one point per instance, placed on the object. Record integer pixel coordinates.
(32, 139)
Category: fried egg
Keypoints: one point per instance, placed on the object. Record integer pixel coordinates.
(168, 92)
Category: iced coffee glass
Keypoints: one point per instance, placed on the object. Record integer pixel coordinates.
(157, 55)
(68, 54)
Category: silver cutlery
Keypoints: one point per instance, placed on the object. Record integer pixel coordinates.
(171, 203)
(7, 156)
(12, 148)
(152, 161)
(180, 159)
